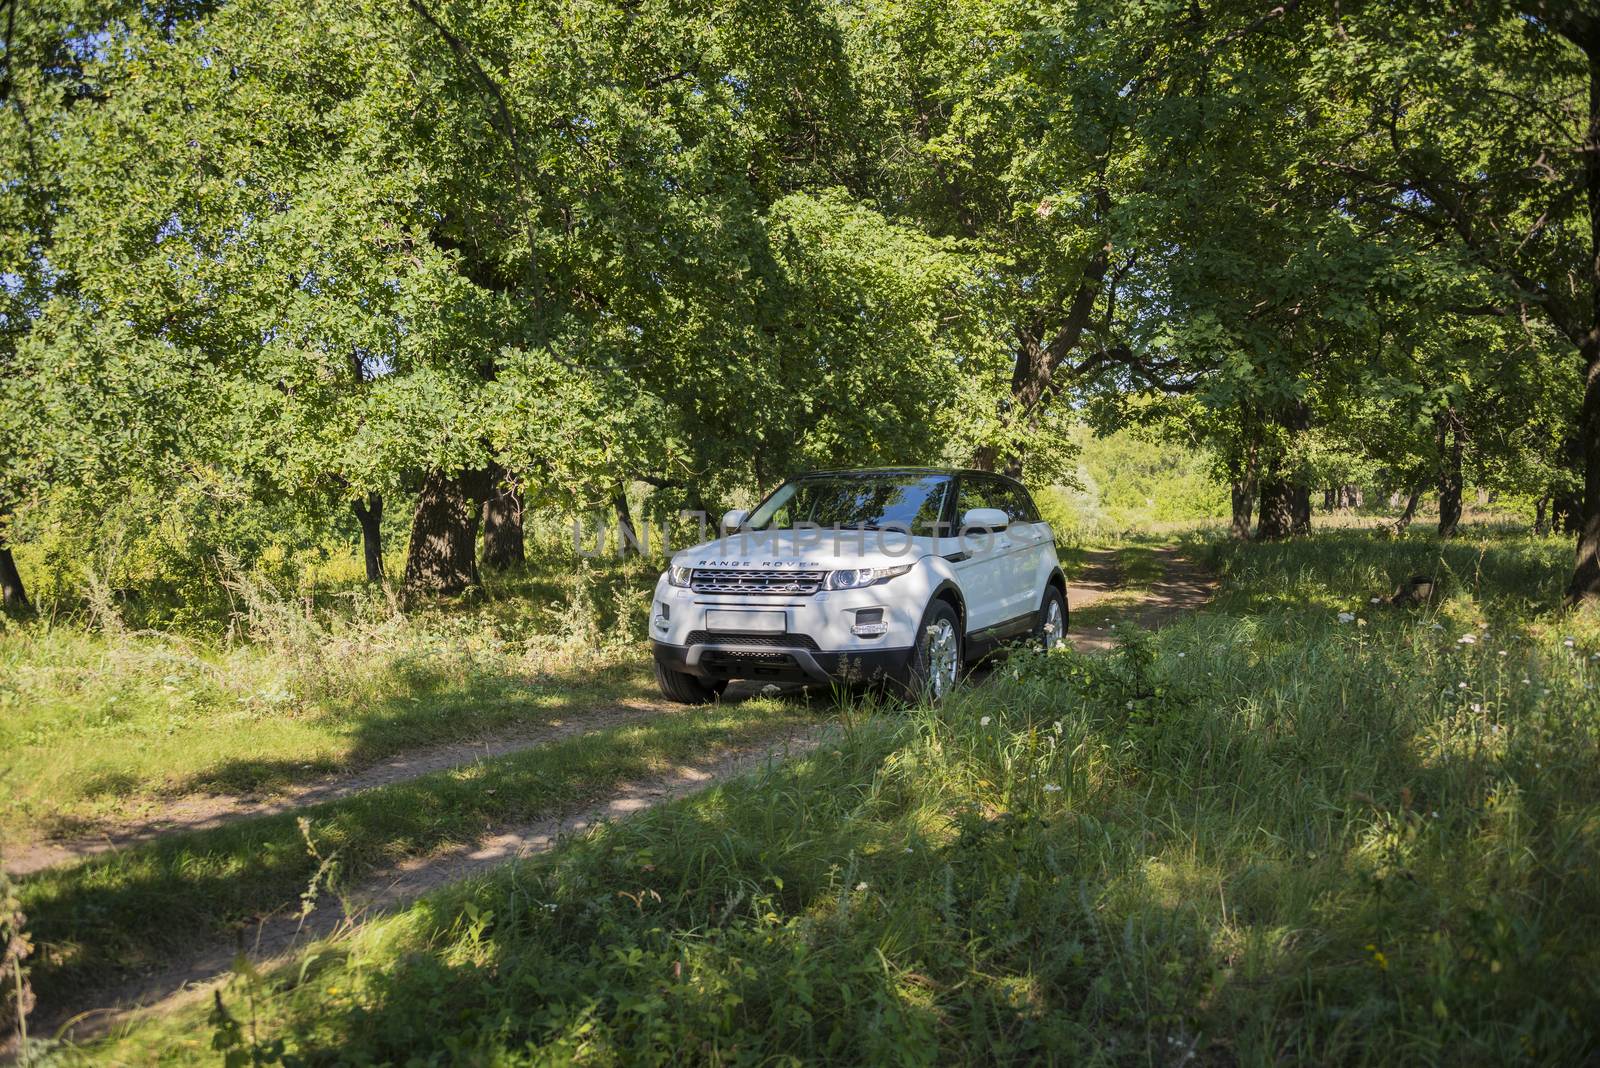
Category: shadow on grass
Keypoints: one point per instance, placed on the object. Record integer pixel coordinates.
(1505, 571)
(777, 917)
(133, 909)
(1289, 845)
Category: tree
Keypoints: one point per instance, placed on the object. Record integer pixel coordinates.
(1040, 137)
(1477, 127)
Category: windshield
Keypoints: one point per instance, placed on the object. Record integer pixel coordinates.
(869, 502)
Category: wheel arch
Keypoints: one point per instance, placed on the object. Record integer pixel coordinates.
(950, 593)
(1059, 581)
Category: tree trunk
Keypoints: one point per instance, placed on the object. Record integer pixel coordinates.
(503, 543)
(1449, 473)
(1246, 481)
(1566, 511)
(13, 597)
(1585, 584)
(1299, 508)
(627, 536)
(442, 557)
(1540, 508)
(1330, 498)
(1244, 502)
(1276, 514)
(370, 514)
(1410, 513)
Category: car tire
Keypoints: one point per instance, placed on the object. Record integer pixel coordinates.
(1051, 628)
(687, 689)
(936, 658)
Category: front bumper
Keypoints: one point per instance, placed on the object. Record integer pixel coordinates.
(814, 638)
(734, 656)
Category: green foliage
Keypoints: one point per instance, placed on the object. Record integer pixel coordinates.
(1136, 479)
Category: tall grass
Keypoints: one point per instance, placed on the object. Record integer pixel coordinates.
(1262, 835)
(102, 721)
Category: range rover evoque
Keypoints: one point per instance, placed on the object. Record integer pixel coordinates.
(901, 575)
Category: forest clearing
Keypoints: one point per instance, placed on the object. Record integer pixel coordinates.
(1259, 827)
(418, 424)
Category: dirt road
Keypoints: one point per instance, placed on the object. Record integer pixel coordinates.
(1183, 587)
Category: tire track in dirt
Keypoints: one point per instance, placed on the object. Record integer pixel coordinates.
(1184, 587)
(201, 812)
(276, 939)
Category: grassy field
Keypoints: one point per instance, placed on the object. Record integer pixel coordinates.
(1299, 826)
(128, 911)
(105, 723)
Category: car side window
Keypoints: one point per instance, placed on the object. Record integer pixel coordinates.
(1011, 499)
(974, 493)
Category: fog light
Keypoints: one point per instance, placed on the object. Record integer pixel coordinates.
(666, 610)
(869, 623)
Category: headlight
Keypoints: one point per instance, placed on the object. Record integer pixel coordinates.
(677, 575)
(855, 578)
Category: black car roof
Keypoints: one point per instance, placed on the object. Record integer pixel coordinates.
(906, 470)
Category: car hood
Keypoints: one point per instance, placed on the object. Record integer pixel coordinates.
(821, 550)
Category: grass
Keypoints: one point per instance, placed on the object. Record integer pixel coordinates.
(104, 724)
(1262, 835)
(1139, 565)
(129, 910)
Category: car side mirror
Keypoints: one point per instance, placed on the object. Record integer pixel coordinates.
(733, 520)
(976, 520)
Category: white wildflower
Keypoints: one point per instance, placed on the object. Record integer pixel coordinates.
(1051, 788)
(1467, 639)
(984, 722)
(1347, 617)
(861, 886)
(1374, 600)
(1568, 643)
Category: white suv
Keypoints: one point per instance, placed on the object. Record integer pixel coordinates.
(900, 574)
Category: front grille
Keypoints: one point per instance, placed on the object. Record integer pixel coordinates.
(750, 663)
(755, 641)
(747, 656)
(746, 580)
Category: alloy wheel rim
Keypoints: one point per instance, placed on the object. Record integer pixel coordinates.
(1053, 628)
(942, 656)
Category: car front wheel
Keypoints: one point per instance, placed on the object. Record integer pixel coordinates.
(687, 689)
(936, 658)
(1051, 630)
